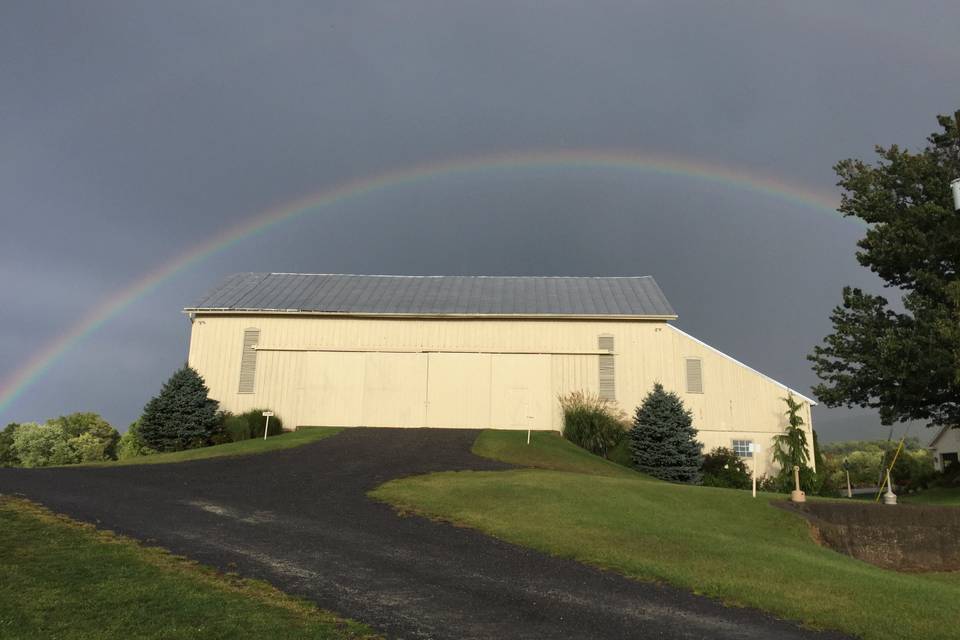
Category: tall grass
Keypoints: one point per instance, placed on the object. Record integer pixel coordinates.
(592, 422)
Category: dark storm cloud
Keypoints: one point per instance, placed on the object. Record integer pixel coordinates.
(132, 131)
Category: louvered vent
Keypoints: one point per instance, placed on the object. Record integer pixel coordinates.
(248, 361)
(608, 388)
(694, 375)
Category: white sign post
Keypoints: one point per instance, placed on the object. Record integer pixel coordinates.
(266, 425)
(754, 450)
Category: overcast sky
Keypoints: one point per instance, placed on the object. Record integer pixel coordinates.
(132, 131)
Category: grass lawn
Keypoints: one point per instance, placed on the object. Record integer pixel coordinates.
(546, 451)
(244, 447)
(938, 495)
(62, 579)
(717, 542)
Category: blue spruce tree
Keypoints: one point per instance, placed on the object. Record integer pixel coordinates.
(663, 441)
(182, 416)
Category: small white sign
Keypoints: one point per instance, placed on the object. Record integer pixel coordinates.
(750, 447)
(267, 413)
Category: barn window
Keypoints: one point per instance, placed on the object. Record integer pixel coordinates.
(694, 375)
(248, 360)
(608, 388)
(743, 448)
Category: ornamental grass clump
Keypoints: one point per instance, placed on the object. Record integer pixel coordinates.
(591, 422)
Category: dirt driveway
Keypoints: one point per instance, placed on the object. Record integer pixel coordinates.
(300, 519)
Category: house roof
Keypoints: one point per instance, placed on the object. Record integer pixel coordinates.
(936, 438)
(523, 296)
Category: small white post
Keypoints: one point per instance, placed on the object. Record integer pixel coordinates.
(889, 497)
(797, 495)
(849, 489)
(266, 425)
(752, 448)
(528, 436)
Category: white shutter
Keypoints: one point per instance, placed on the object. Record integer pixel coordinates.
(607, 387)
(248, 361)
(694, 375)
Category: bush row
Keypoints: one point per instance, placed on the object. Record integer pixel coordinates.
(181, 416)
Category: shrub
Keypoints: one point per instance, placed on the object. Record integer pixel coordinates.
(42, 445)
(182, 416)
(8, 454)
(913, 470)
(255, 421)
(237, 428)
(663, 442)
(131, 445)
(621, 453)
(87, 447)
(724, 468)
(78, 424)
(592, 423)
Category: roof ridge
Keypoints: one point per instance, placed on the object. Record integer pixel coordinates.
(400, 275)
(575, 296)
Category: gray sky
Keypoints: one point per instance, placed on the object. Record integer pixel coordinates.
(131, 131)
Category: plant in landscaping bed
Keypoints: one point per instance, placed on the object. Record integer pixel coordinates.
(592, 423)
(237, 428)
(790, 450)
(663, 441)
(182, 416)
(724, 468)
(256, 420)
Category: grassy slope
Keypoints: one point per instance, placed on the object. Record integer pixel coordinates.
(242, 448)
(62, 579)
(547, 450)
(717, 542)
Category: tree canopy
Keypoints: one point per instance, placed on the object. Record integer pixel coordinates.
(901, 358)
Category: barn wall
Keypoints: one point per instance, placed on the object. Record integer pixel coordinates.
(474, 373)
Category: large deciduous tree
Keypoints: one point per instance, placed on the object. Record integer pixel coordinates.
(902, 360)
(182, 416)
(77, 425)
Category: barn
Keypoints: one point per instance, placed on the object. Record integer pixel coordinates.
(468, 352)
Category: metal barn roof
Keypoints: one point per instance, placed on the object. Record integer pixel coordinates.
(637, 297)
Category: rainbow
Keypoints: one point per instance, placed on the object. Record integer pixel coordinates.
(31, 370)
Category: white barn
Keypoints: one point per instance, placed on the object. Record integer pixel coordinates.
(468, 351)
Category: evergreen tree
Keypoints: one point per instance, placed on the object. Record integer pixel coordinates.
(663, 441)
(790, 449)
(182, 416)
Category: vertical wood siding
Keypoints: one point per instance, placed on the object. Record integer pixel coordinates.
(360, 380)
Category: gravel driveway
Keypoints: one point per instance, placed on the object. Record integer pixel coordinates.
(301, 520)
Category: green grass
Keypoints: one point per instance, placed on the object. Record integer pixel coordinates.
(65, 580)
(938, 495)
(547, 450)
(243, 448)
(717, 542)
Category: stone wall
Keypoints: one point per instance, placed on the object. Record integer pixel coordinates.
(900, 537)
